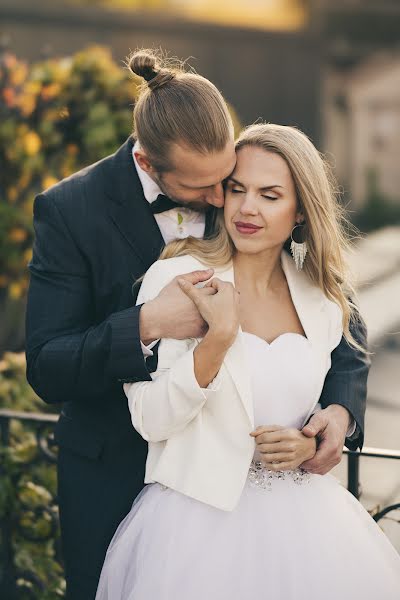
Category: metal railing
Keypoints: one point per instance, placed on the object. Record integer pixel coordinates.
(18, 583)
(29, 526)
(353, 473)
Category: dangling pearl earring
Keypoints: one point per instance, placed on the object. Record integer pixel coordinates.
(298, 246)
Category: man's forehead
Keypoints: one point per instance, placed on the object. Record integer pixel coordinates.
(201, 168)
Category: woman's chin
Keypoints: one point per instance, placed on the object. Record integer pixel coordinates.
(251, 248)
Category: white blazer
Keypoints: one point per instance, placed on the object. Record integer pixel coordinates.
(199, 441)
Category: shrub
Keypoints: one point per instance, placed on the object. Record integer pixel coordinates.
(55, 117)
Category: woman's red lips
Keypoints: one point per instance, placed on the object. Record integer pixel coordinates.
(246, 227)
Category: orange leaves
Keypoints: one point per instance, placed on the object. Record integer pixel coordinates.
(17, 234)
(32, 143)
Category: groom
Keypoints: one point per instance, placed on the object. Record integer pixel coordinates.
(96, 233)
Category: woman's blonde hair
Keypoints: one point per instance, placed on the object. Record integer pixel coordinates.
(175, 105)
(325, 222)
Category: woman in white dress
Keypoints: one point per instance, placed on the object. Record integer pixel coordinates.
(228, 512)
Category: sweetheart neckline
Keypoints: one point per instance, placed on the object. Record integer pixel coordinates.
(286, 333)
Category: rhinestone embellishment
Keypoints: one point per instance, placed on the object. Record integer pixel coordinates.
(261, 477)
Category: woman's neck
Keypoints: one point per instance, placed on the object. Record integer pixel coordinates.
(259, 273)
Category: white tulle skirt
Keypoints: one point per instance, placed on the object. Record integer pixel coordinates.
(296, 542)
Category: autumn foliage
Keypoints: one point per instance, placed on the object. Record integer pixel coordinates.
(55, 117)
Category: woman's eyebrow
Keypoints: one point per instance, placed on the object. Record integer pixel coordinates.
(267, 187)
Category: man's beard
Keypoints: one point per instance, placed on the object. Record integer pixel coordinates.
(199, 205)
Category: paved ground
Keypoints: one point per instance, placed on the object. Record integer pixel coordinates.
(380, 478)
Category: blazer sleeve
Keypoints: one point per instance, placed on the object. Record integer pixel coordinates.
(68, 357)
(162, 407)
(346, 381)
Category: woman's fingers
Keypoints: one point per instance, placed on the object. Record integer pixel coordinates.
(277, 457)
(265, 429)
(278, 447)
(271, 437)
(282, 466)
(196, 277)
(207, 291)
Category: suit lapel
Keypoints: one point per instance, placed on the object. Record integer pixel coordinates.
(129, 210)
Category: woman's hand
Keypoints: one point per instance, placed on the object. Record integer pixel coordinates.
(220, 310)
(283, 449)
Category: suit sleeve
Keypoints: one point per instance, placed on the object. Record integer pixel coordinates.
(165, 405)
(69, 358)
(346, 381)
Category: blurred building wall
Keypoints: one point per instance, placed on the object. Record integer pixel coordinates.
(269, 75)
(328, 77)
(362, 125)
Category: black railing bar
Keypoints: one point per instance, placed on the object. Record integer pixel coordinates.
(374, 453)
(28, 416)
(52, 418)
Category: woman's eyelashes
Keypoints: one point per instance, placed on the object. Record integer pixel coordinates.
(267, 196)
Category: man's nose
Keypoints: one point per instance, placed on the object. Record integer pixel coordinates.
(215, 196)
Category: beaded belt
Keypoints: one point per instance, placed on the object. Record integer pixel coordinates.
(261, 477)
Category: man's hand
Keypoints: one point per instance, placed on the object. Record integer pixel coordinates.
(330, 426)
(172, 314)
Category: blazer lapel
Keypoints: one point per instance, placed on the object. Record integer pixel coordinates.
(309, 302)
(129, 210)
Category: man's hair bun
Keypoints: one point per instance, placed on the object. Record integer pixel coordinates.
(146, 64)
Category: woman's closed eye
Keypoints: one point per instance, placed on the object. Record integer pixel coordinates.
(238, 190)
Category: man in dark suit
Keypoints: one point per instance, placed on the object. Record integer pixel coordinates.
(96, 233)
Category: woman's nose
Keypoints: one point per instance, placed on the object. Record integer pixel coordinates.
(248, 206)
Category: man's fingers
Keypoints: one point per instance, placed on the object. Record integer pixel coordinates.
(324, 459)
(197, 276)
(316, 425)
(315, 467)
(190, 290)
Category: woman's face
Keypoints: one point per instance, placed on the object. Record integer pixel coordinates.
(260, 201)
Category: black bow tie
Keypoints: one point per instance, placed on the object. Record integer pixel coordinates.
(162, 204)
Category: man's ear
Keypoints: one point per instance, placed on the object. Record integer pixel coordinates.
(143, 161)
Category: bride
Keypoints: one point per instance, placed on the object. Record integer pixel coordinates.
(228, 512)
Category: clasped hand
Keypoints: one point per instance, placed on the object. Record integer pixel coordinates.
(283, 449)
